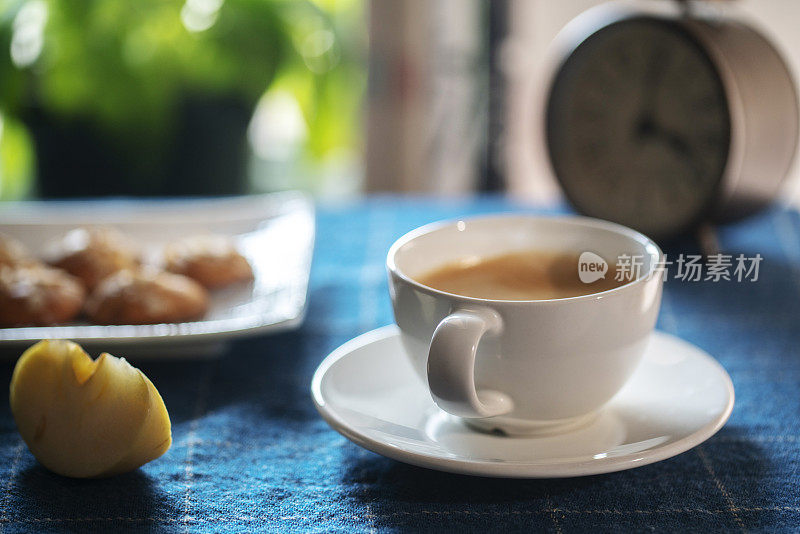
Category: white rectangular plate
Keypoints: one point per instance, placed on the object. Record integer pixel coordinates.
(275, 232)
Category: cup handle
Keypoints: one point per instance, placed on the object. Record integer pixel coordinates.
(451, 365)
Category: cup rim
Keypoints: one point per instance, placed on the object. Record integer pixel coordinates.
(590, 222)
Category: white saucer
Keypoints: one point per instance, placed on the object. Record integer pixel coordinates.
(677, 398)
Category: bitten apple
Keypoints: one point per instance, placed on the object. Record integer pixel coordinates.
(87, 418)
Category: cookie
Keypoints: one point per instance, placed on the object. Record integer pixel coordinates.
(37, 295)
(211, 260)
(146, 297)
(13, 253)
(92, 254)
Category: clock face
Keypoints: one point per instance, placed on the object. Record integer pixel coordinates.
(638, 127)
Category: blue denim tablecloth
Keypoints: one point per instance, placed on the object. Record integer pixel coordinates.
(251, 453)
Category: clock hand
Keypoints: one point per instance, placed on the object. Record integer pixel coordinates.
(679, 146)
(652, 77)
(675, 141)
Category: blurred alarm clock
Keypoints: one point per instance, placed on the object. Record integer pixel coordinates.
(665, 118)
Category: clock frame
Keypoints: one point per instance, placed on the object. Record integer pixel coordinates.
(761, 105)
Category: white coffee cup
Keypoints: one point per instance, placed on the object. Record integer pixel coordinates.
(523, 367)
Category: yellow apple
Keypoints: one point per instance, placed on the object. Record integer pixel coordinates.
(87, 418)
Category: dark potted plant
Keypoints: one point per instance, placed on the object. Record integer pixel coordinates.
(141, 97)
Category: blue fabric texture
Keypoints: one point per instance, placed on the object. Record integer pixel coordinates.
(250, 452)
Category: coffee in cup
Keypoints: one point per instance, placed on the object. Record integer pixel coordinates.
(523, 275)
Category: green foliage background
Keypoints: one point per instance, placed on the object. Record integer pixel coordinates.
(124, 64)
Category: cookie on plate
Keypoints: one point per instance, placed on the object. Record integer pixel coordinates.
(92, 254)
(37, 295)
(146, 296)
(13, 253)
(211, 260)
